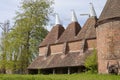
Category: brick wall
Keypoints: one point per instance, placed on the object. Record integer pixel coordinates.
(91, 44)
(42, 50)
(58, 48)
(74, 46)
(108, 43)
(102, 67)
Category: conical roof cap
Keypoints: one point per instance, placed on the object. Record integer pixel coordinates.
(57, 19)
(92, 11)
(74, 17)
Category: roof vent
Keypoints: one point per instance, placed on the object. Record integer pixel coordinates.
(92, 11)
(57, 19)
(74, 18)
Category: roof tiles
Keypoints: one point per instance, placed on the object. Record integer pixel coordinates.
(53, 35)
(57, 60)
(111, 10)
(70, 33)
(88, 31)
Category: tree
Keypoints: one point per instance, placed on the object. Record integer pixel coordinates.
(5, 27)
(28, 32)
(91, 62)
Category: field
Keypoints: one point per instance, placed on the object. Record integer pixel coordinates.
(60, 77)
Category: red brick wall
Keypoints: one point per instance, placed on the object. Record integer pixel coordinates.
(58, 48)
(103, 64)
(74, 46)
(102, 67)
(91, 44)
(108, 43)
(42, 50)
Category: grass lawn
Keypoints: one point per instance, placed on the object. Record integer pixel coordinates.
(60, 77)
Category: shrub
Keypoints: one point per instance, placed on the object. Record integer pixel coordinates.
(91, 62)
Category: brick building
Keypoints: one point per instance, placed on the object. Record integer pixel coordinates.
(108, 38)
(65, 50)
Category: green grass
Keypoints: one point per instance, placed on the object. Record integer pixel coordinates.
(60, 77)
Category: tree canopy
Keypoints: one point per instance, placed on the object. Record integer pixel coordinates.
(29, 30)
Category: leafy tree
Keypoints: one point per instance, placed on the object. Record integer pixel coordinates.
(91, 62)
(4, 46)
(27, 33)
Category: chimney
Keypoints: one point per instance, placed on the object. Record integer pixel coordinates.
(74, 17)
(92, 11)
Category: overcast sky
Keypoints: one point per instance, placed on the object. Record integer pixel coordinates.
(62, 7)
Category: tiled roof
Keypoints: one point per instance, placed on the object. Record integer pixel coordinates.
(53, 35)
(71, 31)
(88, 30)
(60, 60)
(111, 10)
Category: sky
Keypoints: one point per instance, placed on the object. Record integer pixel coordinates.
(8, 10)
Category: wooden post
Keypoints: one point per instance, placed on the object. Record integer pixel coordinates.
(53, 71)
(79, 69)
(39, 71)
(68, 70)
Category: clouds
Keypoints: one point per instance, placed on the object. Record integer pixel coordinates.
(63, 7)
(81, 5)
(7, 8)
